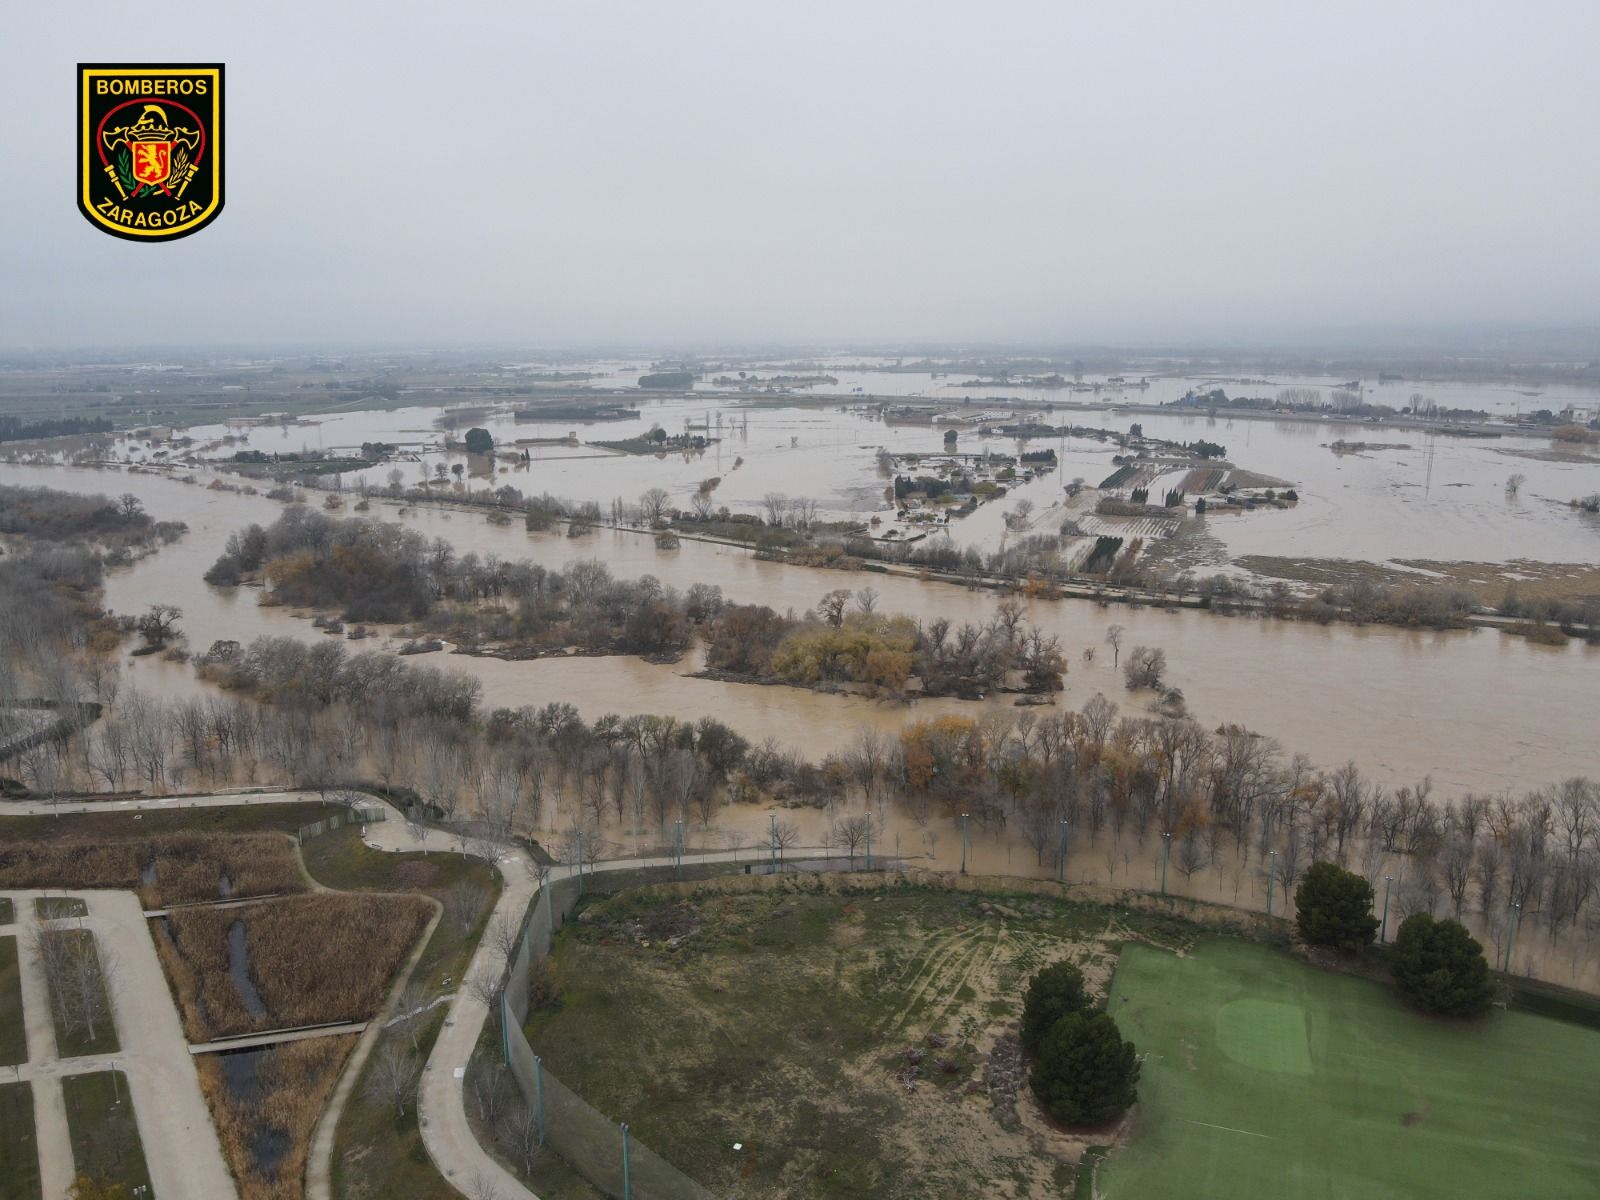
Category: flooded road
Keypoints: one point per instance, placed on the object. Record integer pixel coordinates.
(1475, 709)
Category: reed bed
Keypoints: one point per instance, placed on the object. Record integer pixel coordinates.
(266, 1124)
(180, 868)
(323, 957)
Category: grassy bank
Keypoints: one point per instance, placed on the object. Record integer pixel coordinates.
(19, 1149)
(80, 1005)
(13, 1033)
(60, 908)
(121, 823)
(376, 1154)
(105, 1134)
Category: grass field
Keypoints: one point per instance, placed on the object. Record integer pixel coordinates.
(125, 823)
(13, 1034)
(7, 911)
(19, 1152)
(60, 908)
(1266, 1078)
(72, 1031)
(105, 1134)
(856, 1043)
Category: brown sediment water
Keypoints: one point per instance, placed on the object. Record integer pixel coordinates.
(1475, 709)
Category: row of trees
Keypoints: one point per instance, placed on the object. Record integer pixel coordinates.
(1437, 965)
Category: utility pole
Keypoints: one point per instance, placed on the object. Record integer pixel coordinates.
(1166, 854)
(963, 843)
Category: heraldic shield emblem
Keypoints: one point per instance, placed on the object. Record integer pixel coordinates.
(150, 148)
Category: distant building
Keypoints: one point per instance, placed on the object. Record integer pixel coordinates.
(1580, 414)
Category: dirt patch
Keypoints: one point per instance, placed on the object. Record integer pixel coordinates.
(854, 1038)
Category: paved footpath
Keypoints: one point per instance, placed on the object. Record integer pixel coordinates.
(441, 1095)
(180, 1142)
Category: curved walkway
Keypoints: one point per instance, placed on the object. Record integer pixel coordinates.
(441, 1097)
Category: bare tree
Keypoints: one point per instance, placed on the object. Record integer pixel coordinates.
(393, 1074)
(653, 506)
(776, 504)
(782, 836)
(850, 833)
(1114, 640)
(462, 903)
(521, 1135)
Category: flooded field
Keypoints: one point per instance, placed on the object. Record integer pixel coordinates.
(1476, 710)
(1425, 497)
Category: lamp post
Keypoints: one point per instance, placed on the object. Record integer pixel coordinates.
(580, 862)
(869, 839)
(1166, 853)
(963, 843)
(1061, 856)
(1511, 943)
(678, 848)
(1272, 881)
(772, 844)
(627, 1173)
(1383, 932)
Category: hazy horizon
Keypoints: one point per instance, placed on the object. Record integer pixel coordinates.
(783, 174)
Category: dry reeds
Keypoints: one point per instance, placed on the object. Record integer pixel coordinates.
(313, 959)
(266, 1134)
(183, 868)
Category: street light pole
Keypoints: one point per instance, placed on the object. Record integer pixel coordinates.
(1511, 943)
(1166, 853)
(772, 844)
(678, 849)
(1061, 856)
(963, 843)
(869, 839)
(1272, 881)
(1383, 933)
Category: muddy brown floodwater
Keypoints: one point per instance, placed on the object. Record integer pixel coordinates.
(1475, 709)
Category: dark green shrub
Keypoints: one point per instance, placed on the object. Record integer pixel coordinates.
(1052, 994)
(1335, 908)
(1439, 967)
(1085, 1073)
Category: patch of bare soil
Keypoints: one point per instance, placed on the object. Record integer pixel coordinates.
(862, 1042)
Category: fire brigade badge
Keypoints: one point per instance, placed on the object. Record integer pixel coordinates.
(150, 148)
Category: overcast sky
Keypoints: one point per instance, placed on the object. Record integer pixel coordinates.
(539, 173)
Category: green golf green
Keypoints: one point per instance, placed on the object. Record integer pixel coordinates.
(1265, 1078)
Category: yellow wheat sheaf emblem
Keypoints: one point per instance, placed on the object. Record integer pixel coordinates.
(150, 148)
